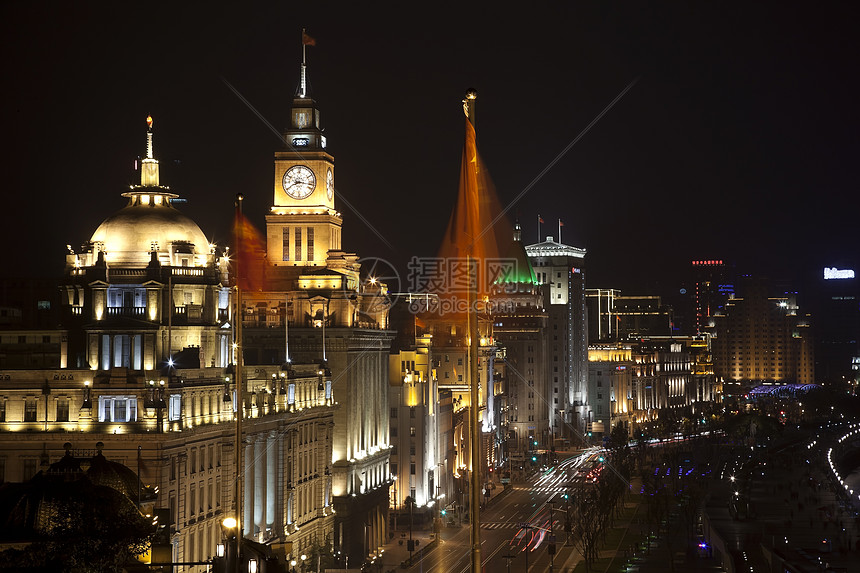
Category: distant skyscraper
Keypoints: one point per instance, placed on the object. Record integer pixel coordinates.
(713, 285)
(600, 305)
(762, 337)
(837, 325)
(613, 317)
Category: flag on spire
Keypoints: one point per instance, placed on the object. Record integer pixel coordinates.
(307, 40)
(540, 220)
(560, 223)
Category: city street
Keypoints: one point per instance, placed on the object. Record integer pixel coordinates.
(515, 527)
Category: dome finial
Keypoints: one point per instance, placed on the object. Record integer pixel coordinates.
(149, 137)
(149, 167)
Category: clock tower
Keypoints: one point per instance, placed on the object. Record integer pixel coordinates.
(330, 318)
(303, 225)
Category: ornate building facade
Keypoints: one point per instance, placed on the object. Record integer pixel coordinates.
(147, 338)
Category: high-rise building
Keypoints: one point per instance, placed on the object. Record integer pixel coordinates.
(713, 285)
(533, 406)
(560, 270)
(837, 325)
(762, 336)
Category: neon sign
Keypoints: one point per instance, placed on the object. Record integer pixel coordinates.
(834, 273)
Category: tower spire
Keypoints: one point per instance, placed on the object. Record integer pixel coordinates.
(149, 167)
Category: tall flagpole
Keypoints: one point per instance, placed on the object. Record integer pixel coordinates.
(302, 89)
(240, 406)
(474, 341)
(538, 237)
(559, 231)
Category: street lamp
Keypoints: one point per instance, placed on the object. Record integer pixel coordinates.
(228, 550)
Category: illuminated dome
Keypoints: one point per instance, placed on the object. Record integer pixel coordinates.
(149, 223)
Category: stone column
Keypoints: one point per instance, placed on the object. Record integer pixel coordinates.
(248, 520)
(260, 483)
(271, 478)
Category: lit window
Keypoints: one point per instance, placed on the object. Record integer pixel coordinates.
(174, 407)
(117, 408)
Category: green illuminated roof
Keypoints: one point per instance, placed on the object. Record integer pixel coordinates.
(516, 259)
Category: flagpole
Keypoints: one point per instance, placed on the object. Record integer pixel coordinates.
(474, 341)
(538, 237)
(559, 231)
(240, 406)
(304, 66)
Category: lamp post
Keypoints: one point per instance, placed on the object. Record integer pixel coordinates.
(527, 526)
(229, 550)
(410, 544)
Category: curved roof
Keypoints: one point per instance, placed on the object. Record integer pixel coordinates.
(521, 270)
(115, 475)
(131, 234)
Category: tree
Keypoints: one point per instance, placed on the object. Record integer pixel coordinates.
(85, 528)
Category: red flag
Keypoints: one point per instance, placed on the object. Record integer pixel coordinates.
(307, 40)
(560, 224)
(540, 220)
(249, 255)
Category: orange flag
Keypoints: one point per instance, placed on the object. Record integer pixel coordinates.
(475, 224)
(249, 255)
(307, 40)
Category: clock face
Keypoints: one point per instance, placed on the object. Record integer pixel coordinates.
(329, 184)
(299, 181)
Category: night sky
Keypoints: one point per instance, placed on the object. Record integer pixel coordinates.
(738, 141)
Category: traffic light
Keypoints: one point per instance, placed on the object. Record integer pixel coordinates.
(534, 458)
(444, 512)
(535, 442)
(600, 459)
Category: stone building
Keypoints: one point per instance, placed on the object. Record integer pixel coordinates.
(143, 368)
